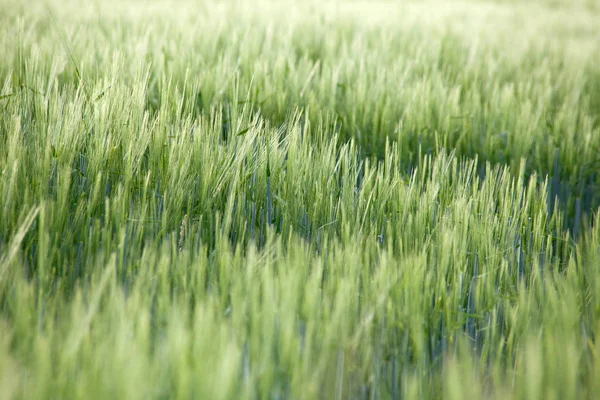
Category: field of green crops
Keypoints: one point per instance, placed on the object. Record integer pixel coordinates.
(265, 199)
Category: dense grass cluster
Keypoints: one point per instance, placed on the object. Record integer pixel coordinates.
(277, 200)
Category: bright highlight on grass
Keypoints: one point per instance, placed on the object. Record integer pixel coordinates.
(298, 200)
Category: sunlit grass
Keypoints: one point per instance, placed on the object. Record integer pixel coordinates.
(299, 200)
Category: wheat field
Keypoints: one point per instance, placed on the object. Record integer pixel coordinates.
(299, 199)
